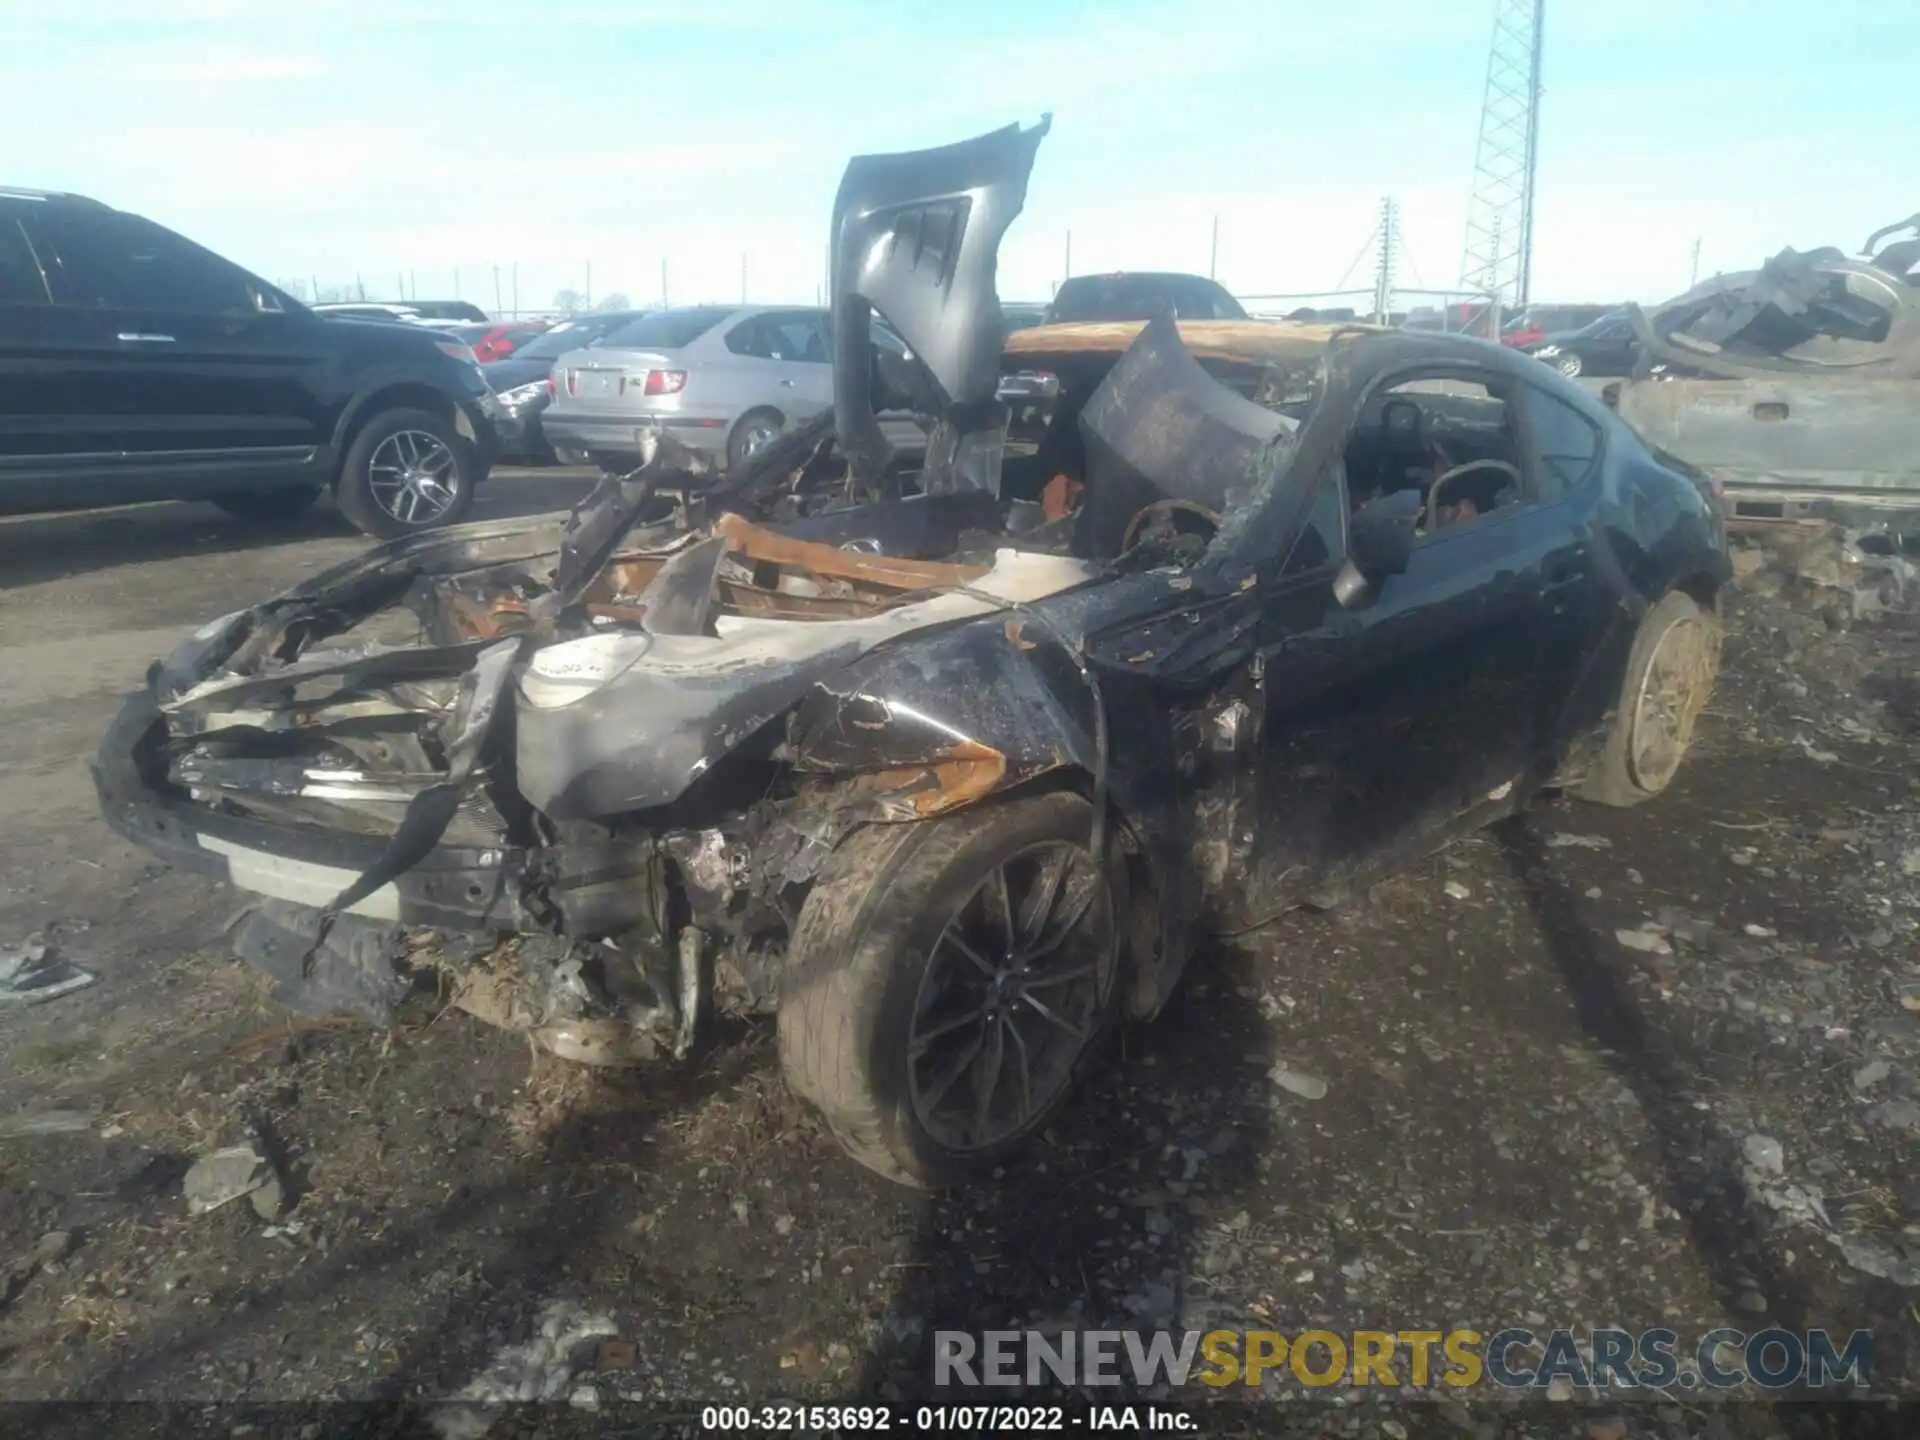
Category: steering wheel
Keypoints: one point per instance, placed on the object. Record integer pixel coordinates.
(1472, 467)
(1169, 508)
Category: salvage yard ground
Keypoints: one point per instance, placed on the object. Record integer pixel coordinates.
(1528, 1120)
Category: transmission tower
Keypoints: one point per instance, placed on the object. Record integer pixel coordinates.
(1387, 254)
(1499, 250)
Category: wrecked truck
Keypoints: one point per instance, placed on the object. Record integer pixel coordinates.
(1796, 386)
(951, 771)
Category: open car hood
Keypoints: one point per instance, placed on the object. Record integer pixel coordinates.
(916, 237)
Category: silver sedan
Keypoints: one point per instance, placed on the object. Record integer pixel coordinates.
(722, 379)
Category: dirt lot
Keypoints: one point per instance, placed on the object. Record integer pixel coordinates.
(1528, 1120)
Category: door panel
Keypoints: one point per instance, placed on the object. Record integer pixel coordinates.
(199, 383)
(1389, 723)
(183, 364)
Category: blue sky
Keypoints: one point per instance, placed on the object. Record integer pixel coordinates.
(329, 137)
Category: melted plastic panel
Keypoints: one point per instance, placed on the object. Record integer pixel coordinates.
(1161, 429)
(916, 237)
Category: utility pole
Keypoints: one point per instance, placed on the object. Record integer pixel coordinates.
(496, 289)
(516, 287)
(359, 285)
(589, 301)
(1068, 267)
(1213, 254)
(743, 277)
(456, 282)
(400, 279)
(1693, 276)
(316, 288)
(664, 301)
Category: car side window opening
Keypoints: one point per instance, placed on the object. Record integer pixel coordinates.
(750, 338)
(114, 261)
(1566, 444)
(1448, 434)
(798, 337)
(780, 337)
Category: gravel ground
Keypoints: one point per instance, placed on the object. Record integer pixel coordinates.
(1650, 1067)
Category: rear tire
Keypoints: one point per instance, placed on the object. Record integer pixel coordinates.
(281, 503)
(752, 431)
(888, 1022)
(377, 489)
(1669, 679)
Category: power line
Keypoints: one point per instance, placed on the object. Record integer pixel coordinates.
(1366, 249)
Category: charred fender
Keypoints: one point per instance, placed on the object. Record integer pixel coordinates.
(953, 719)
(1000, 704)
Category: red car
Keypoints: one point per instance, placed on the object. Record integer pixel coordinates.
(496, 339)
(1536, 322)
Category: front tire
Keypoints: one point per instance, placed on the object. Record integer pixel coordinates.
(948, 982)
(1670, 675)
(283, 502)
(1569, 366)
(407, 471)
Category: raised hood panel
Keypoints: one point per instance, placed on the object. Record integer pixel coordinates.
(916, 236)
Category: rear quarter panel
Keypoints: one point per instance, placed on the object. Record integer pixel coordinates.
(1789, 438)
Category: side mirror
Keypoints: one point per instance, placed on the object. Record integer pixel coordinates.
(1381, 537)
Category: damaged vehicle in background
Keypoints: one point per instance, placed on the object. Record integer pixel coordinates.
(949, 787)
(1795, 386)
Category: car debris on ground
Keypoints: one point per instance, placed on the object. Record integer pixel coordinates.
(238, 1172)
(32, 973)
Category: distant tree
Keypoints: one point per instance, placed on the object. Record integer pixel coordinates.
(569, 302)
(615, 301)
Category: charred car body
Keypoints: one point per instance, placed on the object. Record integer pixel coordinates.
(1796, 385)
(948, 779)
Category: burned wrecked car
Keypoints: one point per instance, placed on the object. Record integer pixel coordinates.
(1796, 386)
(951, 770)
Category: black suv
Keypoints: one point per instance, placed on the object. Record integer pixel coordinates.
(1142, 295)
(135, 365)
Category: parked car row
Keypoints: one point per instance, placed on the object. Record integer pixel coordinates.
(136, 365)
(428, 312)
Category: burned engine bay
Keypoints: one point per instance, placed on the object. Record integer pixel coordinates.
(583, 768)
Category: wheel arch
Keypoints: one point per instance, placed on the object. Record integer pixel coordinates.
(394, 395)
(990, 721)
(1703, 587)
